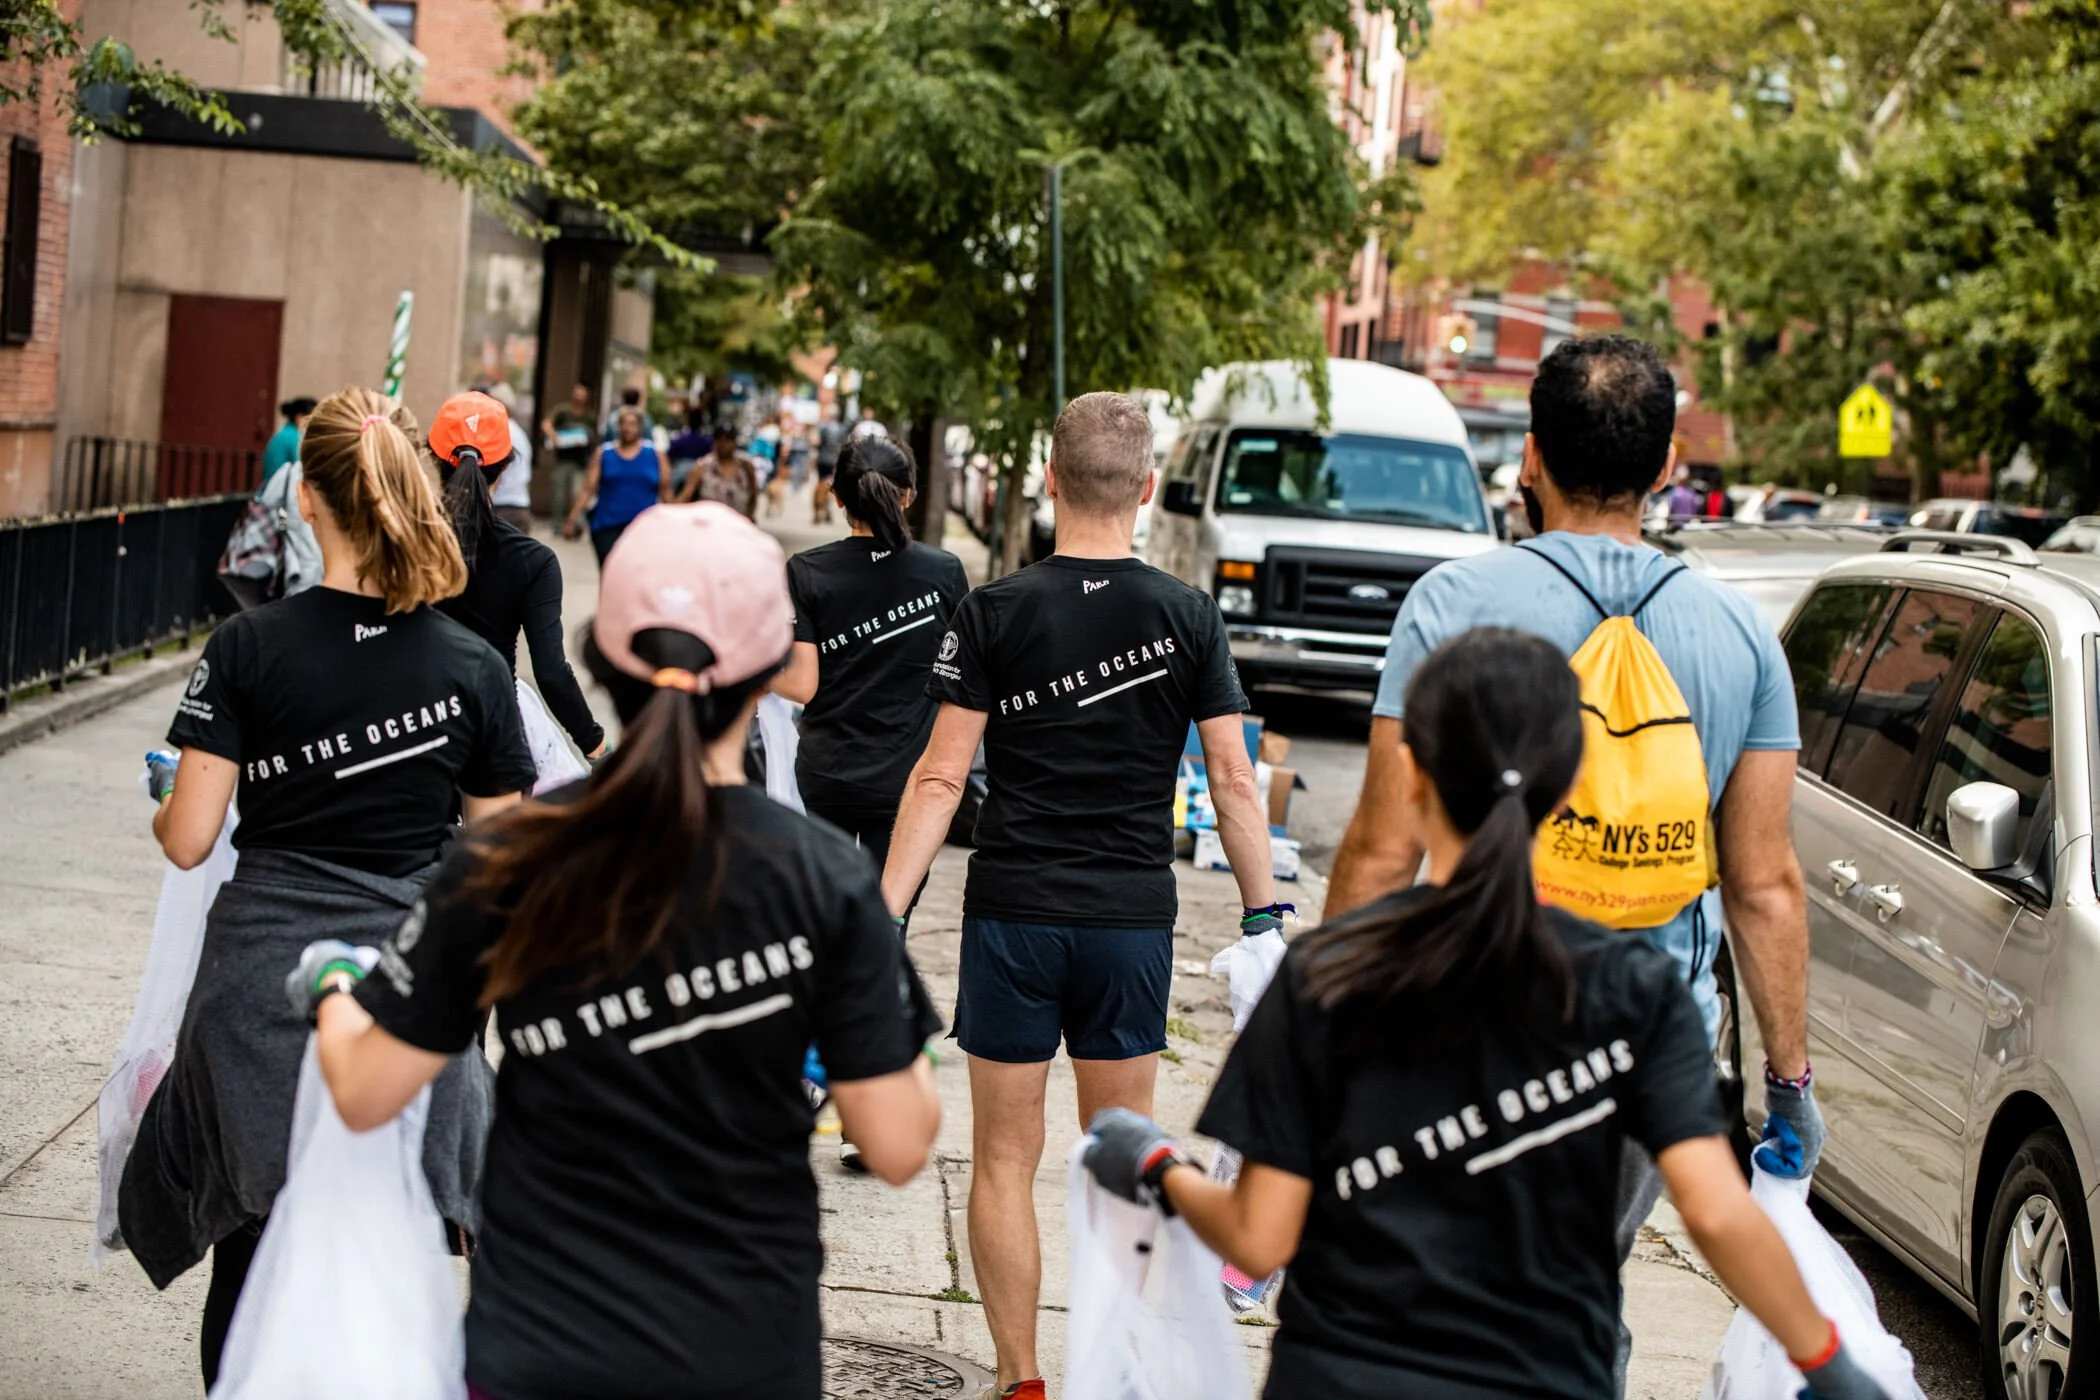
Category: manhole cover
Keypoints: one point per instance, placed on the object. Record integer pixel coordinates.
(858, 1370)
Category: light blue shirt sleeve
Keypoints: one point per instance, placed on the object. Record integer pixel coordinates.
(1417, 631)
(1774, 722)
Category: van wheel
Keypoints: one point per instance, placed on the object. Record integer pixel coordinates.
(1728, 1057)
(2037, 1298)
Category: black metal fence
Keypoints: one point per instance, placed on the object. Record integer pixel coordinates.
(79, 592)
(102, 471)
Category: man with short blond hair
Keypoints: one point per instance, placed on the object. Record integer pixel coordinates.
(1081, 674)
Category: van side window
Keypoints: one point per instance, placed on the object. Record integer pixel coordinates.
(1876, 759)
(2001, 731)
(1825, 647)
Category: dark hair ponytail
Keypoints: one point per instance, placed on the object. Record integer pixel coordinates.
(468, 506)
(1494, 721)
(874, 473)
(591, 887)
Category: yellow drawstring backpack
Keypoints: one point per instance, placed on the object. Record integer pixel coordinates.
(1632, 846)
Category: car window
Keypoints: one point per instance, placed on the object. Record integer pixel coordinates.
(2001, 729)
(1823, 649)
(1877, 750)
(1350, 476)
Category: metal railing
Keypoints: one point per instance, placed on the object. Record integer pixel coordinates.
(371, 47)
(98, 472)
(80, 592)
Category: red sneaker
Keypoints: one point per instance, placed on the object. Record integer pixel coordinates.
(1019, 1390)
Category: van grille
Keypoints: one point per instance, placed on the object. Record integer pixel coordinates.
(1338, 590)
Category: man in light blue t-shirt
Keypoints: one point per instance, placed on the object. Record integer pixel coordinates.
(1603, 409)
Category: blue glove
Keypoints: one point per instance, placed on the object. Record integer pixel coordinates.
(160, 773)
(1796, 1109)
(1840, 1378)
(1128, 1153)
(320, 961)
(1254, 921)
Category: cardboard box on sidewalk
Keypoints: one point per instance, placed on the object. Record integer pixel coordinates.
(1283, 854)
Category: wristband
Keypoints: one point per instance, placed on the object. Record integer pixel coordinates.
(1273, 911)
(1152, 1173)
(1822, 1358)
(1798, 1086)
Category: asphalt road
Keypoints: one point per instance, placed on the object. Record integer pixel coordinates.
(1328, 734)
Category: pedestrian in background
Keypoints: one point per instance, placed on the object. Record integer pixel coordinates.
(726, 476)
(511, 494)
(798, 452)
(626, 480)
(659, 945)
(630, 400)
(356, 721)
(1081, 676)
(1436, 1094)
(831, 440)
(568, 431)
(691, 445)
(1602, 411)
(514, 582)
(283, 448)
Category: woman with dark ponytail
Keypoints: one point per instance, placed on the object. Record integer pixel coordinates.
(514, 582)
(660, 946)
(1435, 1096)
(871, 611)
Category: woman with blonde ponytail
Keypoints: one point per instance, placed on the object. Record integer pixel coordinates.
(357, 723)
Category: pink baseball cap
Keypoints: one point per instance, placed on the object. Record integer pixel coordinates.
(702, 569)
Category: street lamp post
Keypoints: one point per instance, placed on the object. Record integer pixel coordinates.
(1057, 282)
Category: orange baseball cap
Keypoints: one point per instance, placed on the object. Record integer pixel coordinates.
(472, 420)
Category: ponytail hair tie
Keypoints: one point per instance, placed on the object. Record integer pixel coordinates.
(1511, 783)
(674, 678)
(370, 419)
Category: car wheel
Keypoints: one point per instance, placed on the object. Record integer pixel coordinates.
(2037, 1296)
(1728, 1055)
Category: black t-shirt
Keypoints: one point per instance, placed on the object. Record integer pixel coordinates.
(354, 729)
(649, 1214)
(876, 619)
(516, 587)
(1089, 672)
(1460, 1237)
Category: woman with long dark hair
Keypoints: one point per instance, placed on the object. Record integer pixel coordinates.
(1434, 1097)
(660, 945)
(626, 479)
(870, 612)
(356, 721)
(514, 582)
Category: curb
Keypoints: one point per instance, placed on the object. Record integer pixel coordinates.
(87, 696)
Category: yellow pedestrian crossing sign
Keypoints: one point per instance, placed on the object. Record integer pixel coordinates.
(1865, 424)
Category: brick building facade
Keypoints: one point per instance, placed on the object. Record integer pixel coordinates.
(33, 139)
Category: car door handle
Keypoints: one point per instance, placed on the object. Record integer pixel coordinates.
(1843, 875)
(1888, 901)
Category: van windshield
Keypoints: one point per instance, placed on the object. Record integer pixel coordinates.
(1350, 476)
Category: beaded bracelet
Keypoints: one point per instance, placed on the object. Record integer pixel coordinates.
(1799, 1086)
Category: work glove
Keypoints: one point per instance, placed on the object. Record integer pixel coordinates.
(1795, 1108)
(159, 778)
(1840, 1378)
(1269, 920)
(1128, 1153)
(321, 960)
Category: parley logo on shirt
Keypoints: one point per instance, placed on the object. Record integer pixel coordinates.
(950, 645)
(1088, 585)
(878, 556)
(360, 632)
(201, 677)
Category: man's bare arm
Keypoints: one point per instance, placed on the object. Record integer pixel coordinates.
(931, 795)
(1766, 905)
(1380, 852)
(1243, 827)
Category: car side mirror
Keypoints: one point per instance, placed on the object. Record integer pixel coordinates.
(1983, 825)
(1181, 498)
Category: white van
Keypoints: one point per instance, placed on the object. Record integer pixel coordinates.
(1310, 537)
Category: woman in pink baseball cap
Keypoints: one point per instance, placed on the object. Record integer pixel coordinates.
(660, 945)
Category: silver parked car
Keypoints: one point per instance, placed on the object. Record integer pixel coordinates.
(1945, 825)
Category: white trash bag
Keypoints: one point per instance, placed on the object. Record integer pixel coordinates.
(554, 759)
(782, 740)
(1147, 1322)
(352, 1294)
(1248, 966)
(148, 1045)
(1752, 1364)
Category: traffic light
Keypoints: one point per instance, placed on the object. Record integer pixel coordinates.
(1456, 333)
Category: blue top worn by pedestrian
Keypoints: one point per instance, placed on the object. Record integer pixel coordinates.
(627, 486)
(282, 449)
(1719, 649)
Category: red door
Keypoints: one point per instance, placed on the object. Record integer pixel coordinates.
(218, 403)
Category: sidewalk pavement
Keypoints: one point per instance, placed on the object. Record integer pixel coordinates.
(76, 909)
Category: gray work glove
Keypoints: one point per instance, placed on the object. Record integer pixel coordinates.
(1840, 1378)
(1797, 1109)
(160, 773)
(321, 960)
(1128, 1155)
